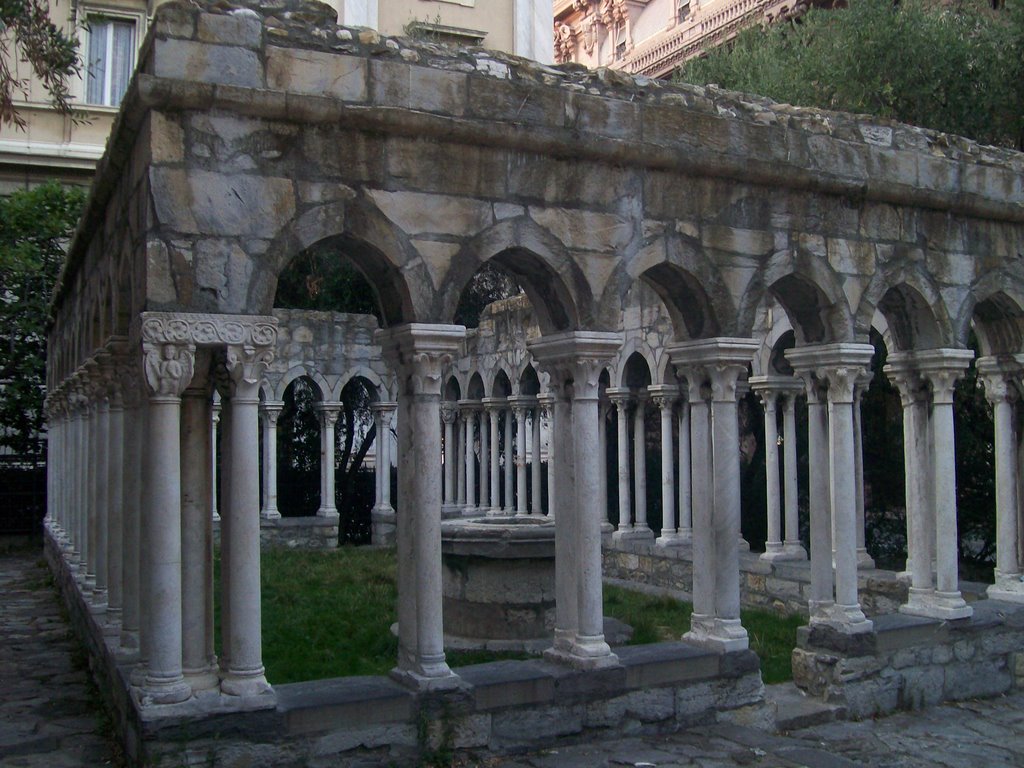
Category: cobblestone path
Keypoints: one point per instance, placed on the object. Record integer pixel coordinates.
(50, 716)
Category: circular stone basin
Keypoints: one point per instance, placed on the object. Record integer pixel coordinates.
(498, 582)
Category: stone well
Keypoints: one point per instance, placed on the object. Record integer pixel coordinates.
(499, 582)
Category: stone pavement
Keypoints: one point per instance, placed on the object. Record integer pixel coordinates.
(50, 717)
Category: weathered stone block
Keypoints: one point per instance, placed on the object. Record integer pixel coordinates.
(612, 118)
(204, 63)
(315, 72)
(514, 102)
(245, 30)
(417, 213)
(646, 706)
(536, 726)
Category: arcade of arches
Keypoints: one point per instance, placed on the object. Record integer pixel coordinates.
(669, 241)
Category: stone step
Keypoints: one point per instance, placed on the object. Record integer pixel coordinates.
(795, 709)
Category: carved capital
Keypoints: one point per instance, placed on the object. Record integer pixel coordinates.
(424, 371)
(329, 414)
(841, 381)
(168, 367)
(724, 379)
(271, 412)
(449, 412)
(999, 388)
(246, 366)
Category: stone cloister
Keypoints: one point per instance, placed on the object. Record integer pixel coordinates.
(686, 228)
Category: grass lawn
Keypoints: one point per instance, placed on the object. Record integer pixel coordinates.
(329, 613)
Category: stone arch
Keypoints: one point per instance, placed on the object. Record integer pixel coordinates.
(634, 347)
(913, 307)
(554, 283)
(636, 371)
(688, 284)
(361, 372)
(320, 384)
(529, 380)
(369, 240)
(994, 308)
(778, 334)
(452, 389)
(475, 387)
(502, 384)
(809, 291)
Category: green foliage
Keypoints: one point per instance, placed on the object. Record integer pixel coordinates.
(34, 228)
(26, 32)
(957, 68)
(322, 279)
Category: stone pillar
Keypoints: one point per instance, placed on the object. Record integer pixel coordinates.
(492, 407)
(198, 665)
(620, 398)
(839, 365)
(214, 421)
(536, 477)
(469, 410)
(484, 506)
(88, 471)
(168, 370)
(864, 560)
(115, 490)
(792, 546)
(329, 413)
(773, 544)
(510, 496)
(1002, 393)
(547, 403)
(449, 413)
(563, 508)
(685, 529)
(602, 436)
(131, 508)
(245, 674)
(101, 489)
(460, 464)
(270, 411)
(664, 396)
(383, 514)
(717, 363)
(78, 497)
(640, 528)
(418, 353)
(581, 356)
(519, 408)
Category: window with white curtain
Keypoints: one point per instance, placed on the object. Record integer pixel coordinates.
(111, 59)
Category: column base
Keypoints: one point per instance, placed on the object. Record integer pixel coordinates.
(673, 539)
(936, 605)
(155, 691)
(137, 676)
(245, 684)
(849, 619)
(633, 533)
(202, 679)
(98, 602)
(129, 640)
(436, 680)
(585, 653)
(744, 545)
(1008, 587)
(606, 528)
(269, 514)
(216, 516)
(448, 511)
(330, 514)
(499, 512)
(785, 553)
(721, 635)
(864, 560)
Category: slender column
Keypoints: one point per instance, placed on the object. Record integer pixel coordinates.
(245, 674)
(602, 464)
(536, 478)
(383, 514)
(519, 408)
(864, 560)
(469, 410)
(793, 547)
(89, 489)
(640, 527)
(582, 356)
(378, 476)
(115, 494)
(145, 580)
(460, 466)
(168, 369)
(510, 498)
(773, 546)
(839, 365)
(448, 415)
(563, 508)
(387, 414)
(492, 407)
(665, 397)
(701, 471)
(270, 411)
(417, 353)
(77, 507)
(685, 531)
(198, 666)
(100, 460)
(484, 506)
(130, 495)
(548, 404)
(226, 571)
(214, 421)
(329, 413)
(620, 397)
(1003, 395)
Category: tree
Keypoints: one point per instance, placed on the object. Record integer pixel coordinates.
(34, 229)
(957, 67)
(27, 33)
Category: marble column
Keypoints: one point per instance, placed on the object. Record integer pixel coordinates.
(115, 491)
(620, 398)
(383, 514)
(1001, 389)
(418, 353)
(214, 422)
(604, 408)
(492, 407)
(792, 545)
(510, 493)
(664, 396)
(773, 496)
(520, 406)
(838, 366)
(685, 528)
(198, 663)
(131, 486)
(536, 474)
(245, 674)
(581, 356)
(640, 528)
(449, 414)
(469, 409)
(90, 430)
(460, 463)
(329, 413)
(168, 369)
(101, 489)
(270, 412)
(547, 404)
(716, 364)
(864, 560)
(484, 506)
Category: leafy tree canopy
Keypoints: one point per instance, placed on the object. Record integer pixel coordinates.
(957, 67)
(34, 229)
(26, 33)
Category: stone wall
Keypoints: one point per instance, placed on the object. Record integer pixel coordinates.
(294, 533)
(910, 662)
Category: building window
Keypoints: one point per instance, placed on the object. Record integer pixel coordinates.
(682, 10)
(111, 59)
